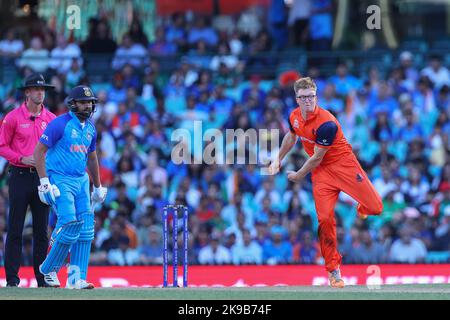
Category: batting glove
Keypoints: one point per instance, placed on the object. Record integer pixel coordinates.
(48, 192)
(99, 194)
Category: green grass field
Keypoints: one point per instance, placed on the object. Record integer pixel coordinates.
(388, 292)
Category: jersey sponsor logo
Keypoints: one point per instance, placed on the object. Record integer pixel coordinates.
(24, 125)
(78, 148)
(324, 142)
(296, 124)
(89, 136)
(43, 125)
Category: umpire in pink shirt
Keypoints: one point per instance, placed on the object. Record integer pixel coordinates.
(19, 134)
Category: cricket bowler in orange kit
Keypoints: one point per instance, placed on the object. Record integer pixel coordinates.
(334, 169)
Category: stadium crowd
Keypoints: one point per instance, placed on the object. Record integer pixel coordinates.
(397, 122)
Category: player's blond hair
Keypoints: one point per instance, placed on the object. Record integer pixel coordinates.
(304, 83)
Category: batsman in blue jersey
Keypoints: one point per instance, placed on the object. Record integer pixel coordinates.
(65, 149)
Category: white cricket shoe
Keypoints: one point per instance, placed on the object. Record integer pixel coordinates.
(51, 279)
(79, 284)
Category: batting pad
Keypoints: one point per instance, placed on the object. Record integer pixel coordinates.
(64, 238)
(79, 254)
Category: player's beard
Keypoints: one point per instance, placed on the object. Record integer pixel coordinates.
(84, 115)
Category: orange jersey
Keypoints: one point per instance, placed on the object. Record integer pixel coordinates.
(321, 129)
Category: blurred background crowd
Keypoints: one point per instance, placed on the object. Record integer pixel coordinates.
(236, 70)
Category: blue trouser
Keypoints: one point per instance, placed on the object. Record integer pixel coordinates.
(73, 205)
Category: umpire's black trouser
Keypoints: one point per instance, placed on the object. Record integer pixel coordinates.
(23, 184)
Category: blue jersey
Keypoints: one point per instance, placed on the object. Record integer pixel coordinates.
(69, 144)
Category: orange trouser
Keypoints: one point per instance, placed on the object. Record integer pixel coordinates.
(344, 175)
